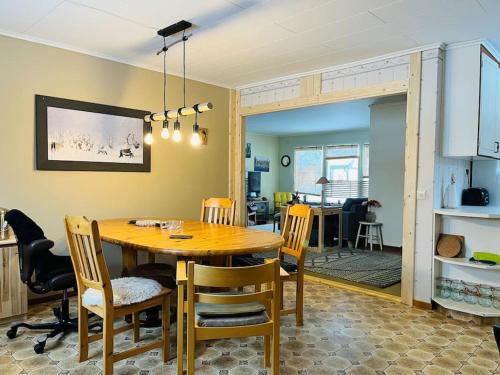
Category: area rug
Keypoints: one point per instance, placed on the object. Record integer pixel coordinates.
(373, 268)
(366, 267)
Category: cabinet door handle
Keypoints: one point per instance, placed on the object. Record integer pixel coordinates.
(497, 147)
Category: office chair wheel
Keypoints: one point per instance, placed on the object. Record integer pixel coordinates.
(39, 347)
(11, 333)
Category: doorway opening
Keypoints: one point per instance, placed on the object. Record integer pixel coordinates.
(358, 147)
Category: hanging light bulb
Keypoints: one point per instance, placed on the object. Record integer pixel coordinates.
(149, 135)
(195, 138)
(177, 131)
(165, 134)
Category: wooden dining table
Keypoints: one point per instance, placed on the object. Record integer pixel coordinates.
(208, 240)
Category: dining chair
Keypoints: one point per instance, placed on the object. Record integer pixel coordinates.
(218, 210)
(110, 299)
(212, 316)
(296, 232)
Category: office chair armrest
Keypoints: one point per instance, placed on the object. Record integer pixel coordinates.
(40, 245)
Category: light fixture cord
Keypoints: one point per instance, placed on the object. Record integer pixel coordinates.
(164, 75)
(184, 62)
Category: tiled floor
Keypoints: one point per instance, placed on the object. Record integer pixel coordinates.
(344, 333)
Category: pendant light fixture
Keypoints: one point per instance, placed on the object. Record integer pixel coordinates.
(177, 131)
(184, 111)
(195, 138)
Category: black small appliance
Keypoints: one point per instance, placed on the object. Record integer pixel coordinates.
(475, 197)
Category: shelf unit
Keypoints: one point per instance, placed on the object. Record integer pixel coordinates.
(464, 262)
(465, 307)
(458, 221)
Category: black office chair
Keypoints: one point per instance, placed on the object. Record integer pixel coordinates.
(52, 273)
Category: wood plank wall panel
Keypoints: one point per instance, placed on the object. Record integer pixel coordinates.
(271, 93)
(383, 71)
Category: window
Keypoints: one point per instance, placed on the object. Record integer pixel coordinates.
(366, 160)
(342, 162)
(308, 168)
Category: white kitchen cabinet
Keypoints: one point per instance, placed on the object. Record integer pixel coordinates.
(471, 103)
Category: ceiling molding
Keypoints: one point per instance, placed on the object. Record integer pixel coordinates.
(344, 66)
(66, 47)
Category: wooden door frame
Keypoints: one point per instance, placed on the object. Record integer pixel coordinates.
(310, 95)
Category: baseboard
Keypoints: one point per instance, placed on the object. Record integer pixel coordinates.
(352, 288)
(422, 305)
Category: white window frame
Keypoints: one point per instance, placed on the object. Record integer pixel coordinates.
(326, 158)
(365, 167)
(295, 165)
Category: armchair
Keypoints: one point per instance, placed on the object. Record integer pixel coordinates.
(353, 212)
(52, 273)
(280, 198)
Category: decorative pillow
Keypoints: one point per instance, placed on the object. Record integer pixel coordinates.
(126, 291)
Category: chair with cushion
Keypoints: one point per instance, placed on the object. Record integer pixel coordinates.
(111, 299)
(232, 314)
(52, 273)
(281, 198)
(296, 232)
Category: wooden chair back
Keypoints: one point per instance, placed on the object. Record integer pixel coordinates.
(297, 230)
(86, 254)
(227, 277)
(218, 211)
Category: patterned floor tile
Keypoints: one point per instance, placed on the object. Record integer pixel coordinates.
(343, 333)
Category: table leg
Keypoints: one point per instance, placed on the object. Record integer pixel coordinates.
(129, 260)
(321, 232)
(180, 328)
(340, 230)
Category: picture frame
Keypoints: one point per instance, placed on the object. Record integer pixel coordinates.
(261, 164)
(73, 135)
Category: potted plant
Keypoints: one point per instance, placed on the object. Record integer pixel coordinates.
(370, 205)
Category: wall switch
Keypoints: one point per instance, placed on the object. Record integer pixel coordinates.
(421, 194)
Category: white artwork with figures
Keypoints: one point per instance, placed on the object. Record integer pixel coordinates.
(74, 135)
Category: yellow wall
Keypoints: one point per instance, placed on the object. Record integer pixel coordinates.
(180, 174)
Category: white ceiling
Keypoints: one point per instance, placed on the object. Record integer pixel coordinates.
(326, 118)
(237, 42)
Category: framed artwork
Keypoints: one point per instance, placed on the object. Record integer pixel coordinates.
(248, 150)
(79, 136)
(261, 164)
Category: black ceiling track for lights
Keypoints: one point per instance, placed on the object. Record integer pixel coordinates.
(174, 28)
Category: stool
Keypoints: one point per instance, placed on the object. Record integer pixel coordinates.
(370, 235)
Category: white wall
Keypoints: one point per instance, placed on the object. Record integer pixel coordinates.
(387, 149)
(486, 174)
(268, 147)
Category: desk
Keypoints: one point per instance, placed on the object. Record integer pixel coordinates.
(14, 295)
(208, 240)
(321, 212)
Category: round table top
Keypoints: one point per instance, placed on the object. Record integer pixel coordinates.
(208, 239)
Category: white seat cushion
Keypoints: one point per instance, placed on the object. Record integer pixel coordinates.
(126, 291)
